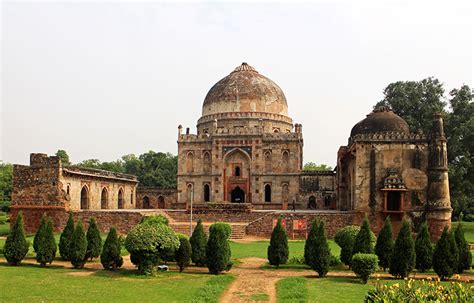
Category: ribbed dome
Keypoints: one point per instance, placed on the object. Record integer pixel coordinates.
(245, 90)
(381, 120)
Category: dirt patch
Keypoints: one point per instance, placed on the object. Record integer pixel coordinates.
(83, 273)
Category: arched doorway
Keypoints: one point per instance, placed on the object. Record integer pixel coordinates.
(120, 199)
(207, 193)
(268, 193)
(146, 202)
(312, 202)
(84, 198)
(161, 202)
(104, 199)
(237, 195)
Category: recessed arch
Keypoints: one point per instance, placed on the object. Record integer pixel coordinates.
(104, 198)
(161, 202)
(207, 192)
(85, 197)
(190, 162)
(190, 192)
(268, 193)
(120, 199)
(312, 202)
(146, 202)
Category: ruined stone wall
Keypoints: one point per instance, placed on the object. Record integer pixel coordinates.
(157, 198)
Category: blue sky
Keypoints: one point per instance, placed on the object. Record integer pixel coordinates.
(102, 80)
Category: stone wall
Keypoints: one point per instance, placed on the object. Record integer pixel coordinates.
(156, 198)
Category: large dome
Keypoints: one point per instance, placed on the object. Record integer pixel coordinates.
(381, 120)
(245, 90)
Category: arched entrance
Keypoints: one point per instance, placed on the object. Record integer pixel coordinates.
(84, 198)
(104, 199)
(312, 202)
(207, 193)
(146, 202)
(161, 202)
(237, 195)
(268, 193)
(120, 199)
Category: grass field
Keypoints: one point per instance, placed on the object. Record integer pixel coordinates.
(29, 283)
(468, 228)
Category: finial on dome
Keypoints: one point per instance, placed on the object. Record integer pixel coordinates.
(382, 108)
(244, 67)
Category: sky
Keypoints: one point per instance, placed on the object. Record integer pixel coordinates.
(102, 80)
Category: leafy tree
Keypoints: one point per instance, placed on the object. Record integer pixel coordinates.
(45, 243)
(442, 256)
(218, 250)
(465, 257)
(110, 256)
(78, 246)
(198, 242)
(384, 245)
(345, 238)
(148, 244)
(65, 239)
(6, 173)
(403, 256)
(278, 249)
(183, 254)
(62, 154)
(16, 245)
(94, 241)
(363, 241)
(423, 249)
(321, 253)
(364, 265)
(314, 166)
(309, 243)
(415, 101)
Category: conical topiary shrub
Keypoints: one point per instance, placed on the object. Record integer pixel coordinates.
(309, 243)
(198, 242)
(363, 241)
(442, 263)
(384, 245)
(40, 233)
(465, 257)
(183, 254)
(78, 246)
(322, 254)
(16, 245)
(46, 244)
(94, 241)
(218, 250)
(278, 249)
(110, 256)
(403, 256)
(423, 249)
(65, 238)
(454, 251)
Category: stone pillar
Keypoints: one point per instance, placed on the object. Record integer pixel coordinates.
(439, 203)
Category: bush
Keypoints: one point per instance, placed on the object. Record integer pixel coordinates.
(454, 251)
(159, 219)
(218, 249)
(110, 256)
(198, 242)
(423, 249)
(183, 254)
(465, 257)
(226, 228)
(16, 245)
(277, 252)
(78, 247)
(363, 241)
(147, 243)
(5, 206)
(309, 243)
(403, 256)
(384, 245)
(66, 238)
(364, 265)
(45, 244)
(345, 238)
(420, 292)
(94, 241)
(442, 264)
(321, 253)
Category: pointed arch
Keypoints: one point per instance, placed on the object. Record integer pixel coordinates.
(207, 192)
(104, 198)
(161, 202)
(146, 202)
(85, 197)
(120, 198)
(268, 193)
(190, 162)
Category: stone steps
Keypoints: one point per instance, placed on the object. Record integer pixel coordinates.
(238, 229)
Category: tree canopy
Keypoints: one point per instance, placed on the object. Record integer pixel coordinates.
(314, 166)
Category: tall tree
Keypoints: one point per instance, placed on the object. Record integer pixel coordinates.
(442, 256)
(384, 245)
(415, 101)
(198, 242)
(6, 173)
(62, 154)
(321, 252)
(423, 249)
(278, 249)
(403, 256)
(363, 241)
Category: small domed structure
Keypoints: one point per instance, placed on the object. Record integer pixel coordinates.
(381, 120)
(245, 90)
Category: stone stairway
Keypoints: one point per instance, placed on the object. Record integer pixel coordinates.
(238, 229)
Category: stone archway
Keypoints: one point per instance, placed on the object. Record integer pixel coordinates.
(84, 197)
(161, 202)
(237, 195)
(312, 202)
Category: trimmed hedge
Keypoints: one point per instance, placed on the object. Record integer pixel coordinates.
(277, 252)
(183, 254)
(45, 243)
(345, 238)
(403, 256)
(110, 256)
(218, 250)
(384, 245)
(198, 242)
(423, 249)
(94, 241)
(16, 245)
(66, 238)
(364, 265)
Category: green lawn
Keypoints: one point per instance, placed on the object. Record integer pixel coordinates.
(468, 228)
(28, 283)
(4, 229)
(259, 249)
